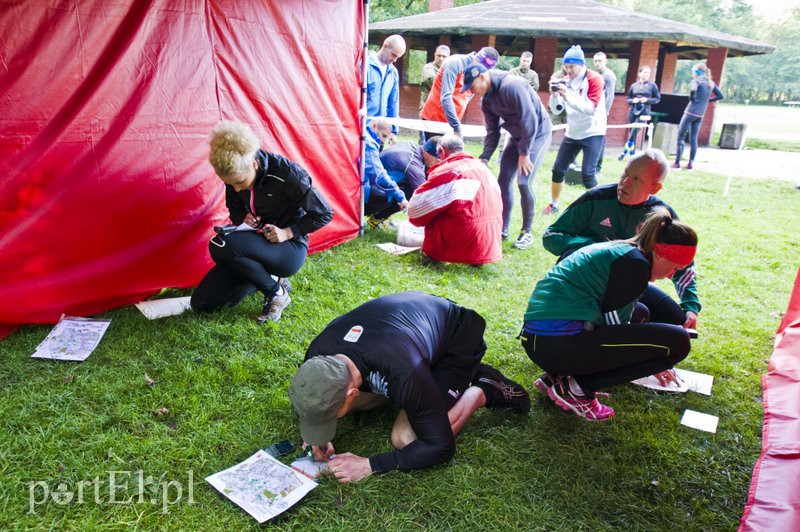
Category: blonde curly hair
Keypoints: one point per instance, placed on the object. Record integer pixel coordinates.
(233, 147)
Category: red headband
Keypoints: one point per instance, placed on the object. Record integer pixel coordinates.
(677, 253)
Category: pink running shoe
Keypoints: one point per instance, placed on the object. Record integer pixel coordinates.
(583, 406)
(543, 383)
(550, 209)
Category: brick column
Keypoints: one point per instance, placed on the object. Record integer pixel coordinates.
(545, 51)
(437, 5)
(402, 68)
(641, 53)
(716, 64)
(665, 77)
(479, 41)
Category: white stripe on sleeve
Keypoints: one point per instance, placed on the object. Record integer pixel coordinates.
(442, 196)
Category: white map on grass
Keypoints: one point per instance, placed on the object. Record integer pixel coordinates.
(72, 339)
(262, 486)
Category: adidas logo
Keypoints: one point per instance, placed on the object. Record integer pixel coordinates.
(606, 222)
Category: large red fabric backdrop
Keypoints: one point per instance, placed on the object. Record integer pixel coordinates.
(106, 193)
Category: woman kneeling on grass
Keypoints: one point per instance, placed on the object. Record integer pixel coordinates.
(577, 326)
(274, 196)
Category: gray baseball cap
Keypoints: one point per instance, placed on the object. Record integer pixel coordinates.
(317, 392)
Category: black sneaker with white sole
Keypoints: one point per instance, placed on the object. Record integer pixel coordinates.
(524, 240)
(500, 391)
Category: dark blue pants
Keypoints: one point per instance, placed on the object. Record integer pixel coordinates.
(380, 208)
(566, 154)
(245, 263)
(509, 163)
(690, 125)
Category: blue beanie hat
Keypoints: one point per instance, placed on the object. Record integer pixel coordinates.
(431, 145)
(574, 56)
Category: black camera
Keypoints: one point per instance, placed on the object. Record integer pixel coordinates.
(556, 85)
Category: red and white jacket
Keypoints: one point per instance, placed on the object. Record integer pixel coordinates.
(585, 105)
(460, 207)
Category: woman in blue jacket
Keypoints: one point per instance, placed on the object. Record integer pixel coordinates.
(701, 92)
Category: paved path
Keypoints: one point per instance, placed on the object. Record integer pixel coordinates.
(755, 164)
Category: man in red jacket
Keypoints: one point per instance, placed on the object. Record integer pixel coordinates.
(460, 207)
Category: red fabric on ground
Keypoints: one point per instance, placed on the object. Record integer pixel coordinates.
(773, 502)
(106, 193)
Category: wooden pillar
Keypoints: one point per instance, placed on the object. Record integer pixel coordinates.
(667, 65)
(545, 51)
(716, 64)
(402, 67)
(641, 53)
(479, 41)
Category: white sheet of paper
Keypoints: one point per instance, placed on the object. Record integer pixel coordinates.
(161, 308)
(689, 380)
(244, 227)
(700, 421)
(652, 382)
(310, 468)
(396, 249)
(72, 339)
(262, 486)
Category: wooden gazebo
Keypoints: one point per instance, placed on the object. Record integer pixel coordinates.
(549, 27)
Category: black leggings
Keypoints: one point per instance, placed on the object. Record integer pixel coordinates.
(610, 355)
(245, 263)
(381, 208)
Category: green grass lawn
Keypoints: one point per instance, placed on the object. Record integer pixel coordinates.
(223, 379)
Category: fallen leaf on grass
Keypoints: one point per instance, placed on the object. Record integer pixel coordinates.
(148, 381)
(69, 378)
(60, 468)
(161, 411)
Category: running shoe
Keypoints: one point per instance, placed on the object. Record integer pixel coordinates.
(504, 234)
(523, 241)
(274, 307)
(584, 406)
(382, 224)
(689, 166)
(543, 383)
(284, 282)
(550, 209)
(500, 391)
(676, 165)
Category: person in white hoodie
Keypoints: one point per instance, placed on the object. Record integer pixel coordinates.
(582, 98)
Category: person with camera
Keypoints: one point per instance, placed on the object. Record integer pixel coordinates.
(581, 95)
(275, 198)
(642, 94)
(510, 101)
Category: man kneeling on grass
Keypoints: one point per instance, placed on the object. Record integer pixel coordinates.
(421, 352)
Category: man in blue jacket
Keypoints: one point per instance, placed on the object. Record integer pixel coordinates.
(380, 190)
(383, 80)
(407, 164)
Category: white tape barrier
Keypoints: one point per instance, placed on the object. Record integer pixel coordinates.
(474, 131)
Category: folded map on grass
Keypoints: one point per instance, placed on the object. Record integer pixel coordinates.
(687, 380)
(72, 339)
(262, 486)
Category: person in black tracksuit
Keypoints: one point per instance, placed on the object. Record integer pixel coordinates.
(273, 194)
(421, 352)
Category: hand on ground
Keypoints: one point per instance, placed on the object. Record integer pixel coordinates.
(348, 467)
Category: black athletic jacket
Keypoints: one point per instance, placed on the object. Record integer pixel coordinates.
(284, 197)
(394, 340)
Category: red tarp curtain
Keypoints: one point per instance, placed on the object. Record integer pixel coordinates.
(773, 502)
(106, 193)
